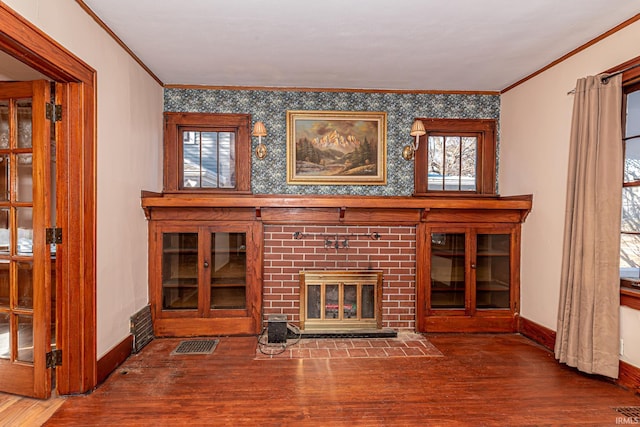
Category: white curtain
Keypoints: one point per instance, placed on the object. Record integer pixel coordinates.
(588, 315)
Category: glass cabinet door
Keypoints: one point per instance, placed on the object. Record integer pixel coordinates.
(228, 271)
(180, 271)
(447, 270)
(493, 271)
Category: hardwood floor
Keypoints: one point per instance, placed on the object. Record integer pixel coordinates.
(23, 411)
(488, 380)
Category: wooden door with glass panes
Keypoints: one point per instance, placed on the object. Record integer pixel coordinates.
(25, 258)
(470, 281)
(204, 279)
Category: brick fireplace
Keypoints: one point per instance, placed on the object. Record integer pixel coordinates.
(289, 249)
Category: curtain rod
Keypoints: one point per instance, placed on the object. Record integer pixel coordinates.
(608, 76)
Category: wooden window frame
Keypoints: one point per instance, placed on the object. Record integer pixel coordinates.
(173, 126)
(629, 294)
(485, 129)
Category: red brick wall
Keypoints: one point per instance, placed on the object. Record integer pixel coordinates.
(394, 253)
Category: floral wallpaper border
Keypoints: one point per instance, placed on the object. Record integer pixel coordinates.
(269, 176)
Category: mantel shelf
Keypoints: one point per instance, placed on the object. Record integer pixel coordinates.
(410, 209)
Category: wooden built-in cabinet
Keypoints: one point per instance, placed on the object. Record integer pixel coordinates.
(206, 255)
(205, 277)
(469, 279)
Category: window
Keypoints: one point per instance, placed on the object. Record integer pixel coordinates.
(207, 152)
(630, 224)
(630, 227)
(456, 156)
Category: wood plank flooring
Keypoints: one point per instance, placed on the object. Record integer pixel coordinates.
(23, 411)
(482, 380)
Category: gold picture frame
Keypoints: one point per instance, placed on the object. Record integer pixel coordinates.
(336, 147)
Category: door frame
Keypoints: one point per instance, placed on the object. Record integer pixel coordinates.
(76, 195)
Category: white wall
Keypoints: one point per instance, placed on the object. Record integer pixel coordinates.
(129, 159)
(535, 125)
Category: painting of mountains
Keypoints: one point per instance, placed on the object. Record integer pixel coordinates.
(336, 147)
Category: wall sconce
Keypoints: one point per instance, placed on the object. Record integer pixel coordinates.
(259, 130)
(417, 130)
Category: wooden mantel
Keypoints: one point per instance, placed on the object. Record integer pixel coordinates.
(336, 208)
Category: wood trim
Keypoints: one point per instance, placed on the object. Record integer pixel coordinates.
(114, 358)
(630, 297)
(152, 201)
(538, 333)
(24, 41)
(117, 39)
(347, 90)
(76, 199)
(575, 51)
(629, 377)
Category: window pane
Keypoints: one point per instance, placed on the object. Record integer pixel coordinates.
(436, 163)
(452, 163)
(633, 114)
(469, 158)
(632, 160)
(630, 209)
(191, 159)
(5, 176)
(630, 255)
(209, 170)
(227, 160)
(209, 159)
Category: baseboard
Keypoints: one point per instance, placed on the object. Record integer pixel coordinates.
(538, 333)
(628, 377)
(114, 358)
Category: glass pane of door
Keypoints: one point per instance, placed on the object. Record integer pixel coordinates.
(368, 302)
(180, 271)
(447, 270)
(493, 271)
(313, 301)
(228, 270)
(331, 301)
(350, 299)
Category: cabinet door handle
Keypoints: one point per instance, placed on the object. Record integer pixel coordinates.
(206, 264)
(473, 266)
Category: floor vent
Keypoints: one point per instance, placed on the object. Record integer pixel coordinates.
(629, 411)
(195, 347)
(141, 328)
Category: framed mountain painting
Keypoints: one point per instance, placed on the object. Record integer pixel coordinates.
(336, 147)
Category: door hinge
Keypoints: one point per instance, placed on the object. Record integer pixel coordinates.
(54, 358)
(54, 112)
(54, 236)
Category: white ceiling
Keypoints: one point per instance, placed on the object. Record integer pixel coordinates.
(374, 44)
